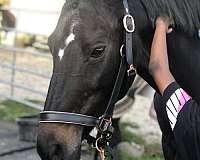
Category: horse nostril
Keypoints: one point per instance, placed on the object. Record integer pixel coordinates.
(56, 152)
(50, 152)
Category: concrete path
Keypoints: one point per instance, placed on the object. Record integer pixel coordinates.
(13, 149)
(25, 155)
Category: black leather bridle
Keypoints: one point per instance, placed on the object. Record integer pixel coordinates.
(102, 124)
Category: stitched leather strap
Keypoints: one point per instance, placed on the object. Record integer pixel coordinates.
(68, 118)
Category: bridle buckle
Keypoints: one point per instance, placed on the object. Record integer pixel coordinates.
(104, 124)
(129, 23)
(131, 71)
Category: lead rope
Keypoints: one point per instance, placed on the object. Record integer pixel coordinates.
(101, 153)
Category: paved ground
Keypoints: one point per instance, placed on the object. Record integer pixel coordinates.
(13, 149)
(26, 155)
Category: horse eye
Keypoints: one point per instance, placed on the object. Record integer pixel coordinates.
(98, 52)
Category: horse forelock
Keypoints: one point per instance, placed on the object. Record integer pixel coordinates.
(185, 13)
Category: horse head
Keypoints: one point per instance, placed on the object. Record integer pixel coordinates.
(85, 48)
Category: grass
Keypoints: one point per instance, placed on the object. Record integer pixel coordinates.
(10, 110)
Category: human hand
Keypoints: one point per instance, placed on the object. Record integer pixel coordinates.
(164, 22)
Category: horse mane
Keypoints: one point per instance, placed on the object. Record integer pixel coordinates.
(184, 13)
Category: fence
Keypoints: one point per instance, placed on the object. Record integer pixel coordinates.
(27, 85)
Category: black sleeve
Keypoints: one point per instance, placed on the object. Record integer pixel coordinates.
(170, 90)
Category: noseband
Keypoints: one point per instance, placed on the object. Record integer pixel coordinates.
(103, 124)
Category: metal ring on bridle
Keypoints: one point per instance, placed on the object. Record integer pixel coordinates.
(121, 50)
(126, 25)
(96, 145)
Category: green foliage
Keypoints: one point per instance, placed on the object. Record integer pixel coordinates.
(128, 136)
(10, 110)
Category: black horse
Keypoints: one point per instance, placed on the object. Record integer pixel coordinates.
(85, 47)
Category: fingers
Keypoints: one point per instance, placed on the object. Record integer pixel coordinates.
(170, 30)
(166, 22)
(163, 20)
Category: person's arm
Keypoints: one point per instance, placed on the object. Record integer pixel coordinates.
(174, 96)
(158, 65)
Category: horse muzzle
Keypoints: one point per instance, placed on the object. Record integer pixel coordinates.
(59, 142)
